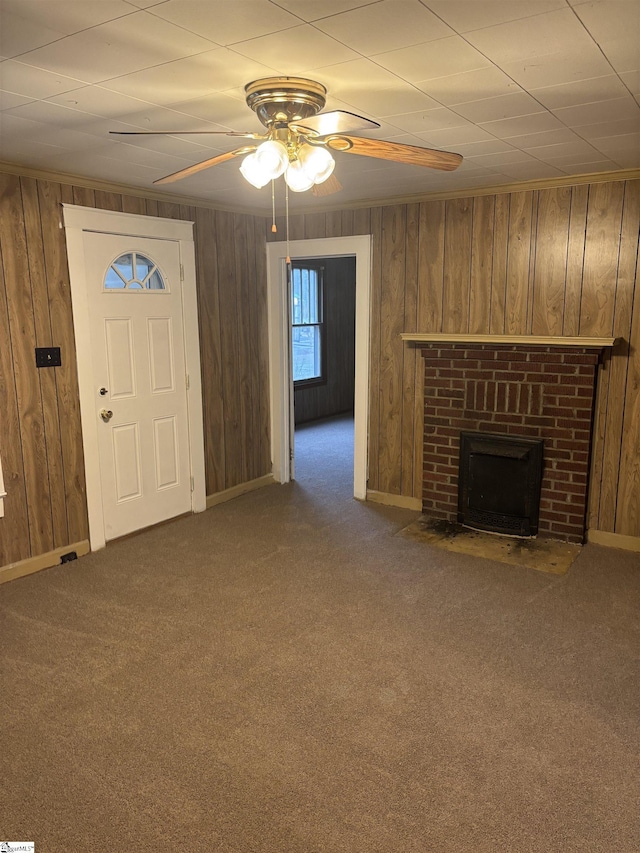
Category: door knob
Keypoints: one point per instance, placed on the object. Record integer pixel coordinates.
(106, 414)
(102, 392)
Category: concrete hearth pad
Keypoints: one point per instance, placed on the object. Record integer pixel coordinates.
(543, 555)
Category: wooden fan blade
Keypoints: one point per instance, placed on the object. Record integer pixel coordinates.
(245, 134)
(337, 121)
(413, 155)
(328, 187)
(205, 164)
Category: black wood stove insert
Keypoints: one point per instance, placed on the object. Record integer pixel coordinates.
(499, 483)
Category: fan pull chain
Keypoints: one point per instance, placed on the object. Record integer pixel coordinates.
(286, 212)
(273, 207)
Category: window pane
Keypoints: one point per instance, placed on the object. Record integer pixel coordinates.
(125, 266)
(112, 280)
(306, 353)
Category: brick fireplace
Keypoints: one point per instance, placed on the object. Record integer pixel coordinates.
(526, 389)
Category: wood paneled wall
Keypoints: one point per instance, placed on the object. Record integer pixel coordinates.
(560, 261)
(556, 261)
(336, 394)
(40, 435)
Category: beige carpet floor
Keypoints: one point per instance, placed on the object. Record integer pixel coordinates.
(284, 674)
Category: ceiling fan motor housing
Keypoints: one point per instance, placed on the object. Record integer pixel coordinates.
(280, 100)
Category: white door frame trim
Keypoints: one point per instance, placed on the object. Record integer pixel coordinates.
(281, 385)
(78, 219)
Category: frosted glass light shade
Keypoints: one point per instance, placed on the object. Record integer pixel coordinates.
(273, 158)
(296, 177)
(252, 171)
(316, 162)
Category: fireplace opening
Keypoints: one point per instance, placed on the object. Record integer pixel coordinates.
(499, 483)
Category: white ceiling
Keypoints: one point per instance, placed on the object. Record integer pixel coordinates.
(523, 89)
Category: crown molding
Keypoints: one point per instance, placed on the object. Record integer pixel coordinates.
(470, 192)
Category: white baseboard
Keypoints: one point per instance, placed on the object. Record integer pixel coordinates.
(402, 501)
(42, 561)
(614, 540)
(236, 491)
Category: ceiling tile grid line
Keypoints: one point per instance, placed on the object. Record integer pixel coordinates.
(522, 90)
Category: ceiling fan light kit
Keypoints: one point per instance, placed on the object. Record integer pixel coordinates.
(299, 139)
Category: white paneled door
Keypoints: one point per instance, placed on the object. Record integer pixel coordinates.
(135, 313)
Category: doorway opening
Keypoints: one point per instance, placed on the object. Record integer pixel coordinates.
(280, 372)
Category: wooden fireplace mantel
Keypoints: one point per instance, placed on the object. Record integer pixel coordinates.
(519, 340)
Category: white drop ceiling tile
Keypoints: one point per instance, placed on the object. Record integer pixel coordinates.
(401, 98)
(578, 149)
(296, 50)
(145, 4)
(120, 47)
(467, 15)
(564, 66)
(546, 137)
(314, 10)
(439, 58)
(497, 109)
(423, 121)
(8, 100)
(66, 16)
(619, 109)
(623, 54)
(481, 83)
(469, 149)
(188, 78)
(221, 109)
(49, 113)
(100, 101)
(530, 171)
(631, 80)
(22, 79)
(354, 75)
(386, 25)
(627, 160)
(607, 21)
(18, 35)
(468, 134)
(226, 23)
(614, 145)
(530, 38)
(580, 92)
(521, 125)
(496, 161)
(604, 129)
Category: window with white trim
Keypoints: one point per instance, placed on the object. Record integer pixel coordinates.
(307, 322)
(134, 272)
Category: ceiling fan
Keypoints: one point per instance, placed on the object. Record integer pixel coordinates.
(299, 139)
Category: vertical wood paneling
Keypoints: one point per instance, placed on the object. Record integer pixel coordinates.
(263, 227)
(457, 265)
(628, 515)
(362, 222)
(517, 289)
(620, 356)
(133, 204)
(210, 354)
(575, 259)
(549, 281)
(481, 264)
(228, 298)
(409, 358)
(391, 347)
(315, 225)
(47, 378)
(107, 200)
(333, 224)
(499, 269)
(84, 196)
(14, 526)
(23, 341)
(602, 245)
(55, 255)
(152, 206)
(245, 309)
(430, 266)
